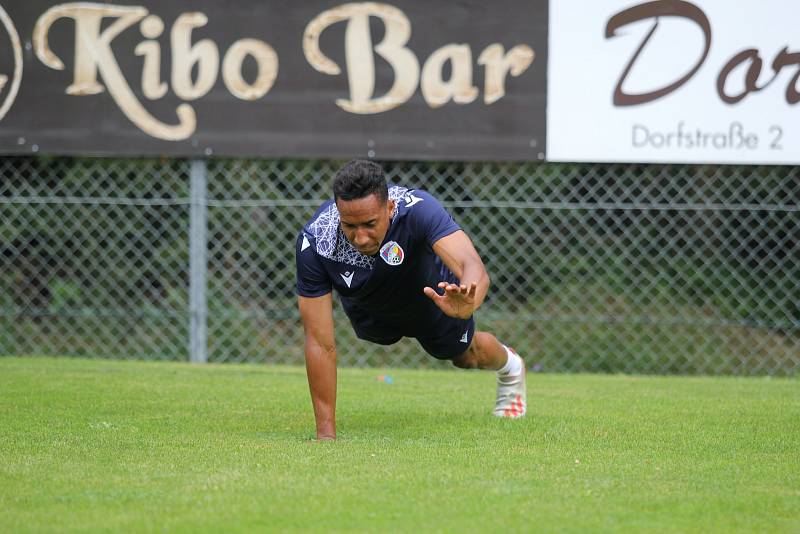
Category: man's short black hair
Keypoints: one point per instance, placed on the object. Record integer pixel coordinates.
(360, 179)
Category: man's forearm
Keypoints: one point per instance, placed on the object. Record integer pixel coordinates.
(321, 371)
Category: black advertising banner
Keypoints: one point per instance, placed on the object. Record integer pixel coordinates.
(410, 79)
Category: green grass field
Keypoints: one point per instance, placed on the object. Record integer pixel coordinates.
(131, 446)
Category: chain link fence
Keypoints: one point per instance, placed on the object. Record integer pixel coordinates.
(602, 268)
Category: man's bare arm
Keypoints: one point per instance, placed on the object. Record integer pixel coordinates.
(458, 253)
(320, 352)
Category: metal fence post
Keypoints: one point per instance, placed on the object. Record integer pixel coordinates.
(198, 263)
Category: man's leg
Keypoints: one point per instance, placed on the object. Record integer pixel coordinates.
(486, 352)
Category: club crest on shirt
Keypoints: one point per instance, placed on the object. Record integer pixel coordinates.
(392, 253)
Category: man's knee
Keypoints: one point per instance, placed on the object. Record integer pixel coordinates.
(467, 359)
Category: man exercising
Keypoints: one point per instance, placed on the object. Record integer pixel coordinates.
(386, 251)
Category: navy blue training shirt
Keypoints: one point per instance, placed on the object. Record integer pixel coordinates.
(380, 293)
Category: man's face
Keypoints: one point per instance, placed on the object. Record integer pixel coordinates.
(365, 222)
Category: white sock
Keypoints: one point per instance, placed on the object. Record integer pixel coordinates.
(513, 365)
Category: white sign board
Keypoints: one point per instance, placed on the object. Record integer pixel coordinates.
(706, 81)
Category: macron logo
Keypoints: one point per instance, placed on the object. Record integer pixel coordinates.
(464, 337)
(411, 200)
(347, 277)
(305, 244)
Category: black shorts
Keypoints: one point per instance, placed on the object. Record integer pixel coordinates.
(451, 336)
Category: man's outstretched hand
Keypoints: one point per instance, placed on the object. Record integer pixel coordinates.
(458, 300)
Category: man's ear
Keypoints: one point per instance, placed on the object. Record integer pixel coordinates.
(391, 204)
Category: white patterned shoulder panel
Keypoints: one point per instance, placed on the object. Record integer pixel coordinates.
(331, 242)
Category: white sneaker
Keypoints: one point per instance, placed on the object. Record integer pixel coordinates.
(511, 399)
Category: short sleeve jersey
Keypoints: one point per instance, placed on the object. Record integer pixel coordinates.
(381, 292)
